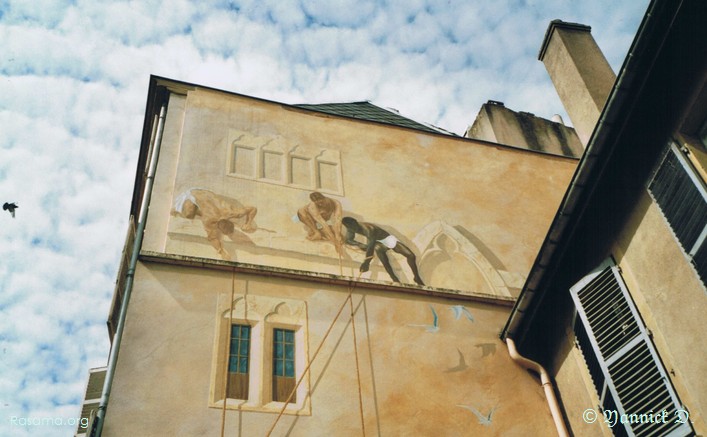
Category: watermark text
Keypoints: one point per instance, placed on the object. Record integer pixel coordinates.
(613, 417)
(49, 421)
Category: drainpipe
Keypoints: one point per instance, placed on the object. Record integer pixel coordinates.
(130, 275)
(546, 383)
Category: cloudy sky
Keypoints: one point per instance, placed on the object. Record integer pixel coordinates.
(73, 85)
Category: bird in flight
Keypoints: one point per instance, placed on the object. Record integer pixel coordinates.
(434, 327)
(487, 349)
(460, 310)
(10, 207)
(484, 420)
(459, 367)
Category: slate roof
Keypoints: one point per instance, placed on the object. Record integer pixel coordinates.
(368, 111)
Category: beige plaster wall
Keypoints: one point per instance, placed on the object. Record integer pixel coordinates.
(496, 123)
(672, 302)
(582, 76)
(412, 381)
(577, 396)
(473, 214)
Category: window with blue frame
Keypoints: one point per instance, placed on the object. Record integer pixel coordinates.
(238, 362)
(283, 365)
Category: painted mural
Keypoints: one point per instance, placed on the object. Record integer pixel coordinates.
(459, 315)
(295, 191)
(223, 217)
(228, 226)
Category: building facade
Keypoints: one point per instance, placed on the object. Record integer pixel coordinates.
(341, 269)
(263, 227)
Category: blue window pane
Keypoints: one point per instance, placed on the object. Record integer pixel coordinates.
(232, 365)
(290, 336)
(235, 331)
(278, 368)
(278, 335)
(289, 368)
(243, 368)
(244, 346)
(289, 352)
(277, 350)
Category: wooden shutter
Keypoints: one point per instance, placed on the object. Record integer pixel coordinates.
(635, 381)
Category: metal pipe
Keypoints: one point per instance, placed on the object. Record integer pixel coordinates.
(115, 347)
(546, 383)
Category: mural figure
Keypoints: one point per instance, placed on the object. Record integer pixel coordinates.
(217, 214)
(484, 420)
(322, 216)
(378, 241)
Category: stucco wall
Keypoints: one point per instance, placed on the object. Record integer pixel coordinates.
(413, 381)
(473, 214)
(671, 299)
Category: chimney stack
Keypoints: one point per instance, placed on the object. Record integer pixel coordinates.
(580, 72)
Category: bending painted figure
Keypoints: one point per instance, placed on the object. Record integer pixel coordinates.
(379, 241)
(218, 215)
(322, 216)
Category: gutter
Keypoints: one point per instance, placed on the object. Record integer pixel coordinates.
(546, 383)
(130, 275)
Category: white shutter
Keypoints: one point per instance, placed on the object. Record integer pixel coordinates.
(633, 372)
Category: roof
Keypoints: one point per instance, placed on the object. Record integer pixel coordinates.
(370, 112)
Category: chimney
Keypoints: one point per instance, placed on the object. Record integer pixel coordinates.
(580, 72)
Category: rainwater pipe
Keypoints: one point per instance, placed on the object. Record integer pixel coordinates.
(130, 275)
(546, 383)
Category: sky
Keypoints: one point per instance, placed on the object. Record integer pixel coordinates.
(73, 87)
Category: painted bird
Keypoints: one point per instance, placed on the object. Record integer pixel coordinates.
(10, 207)
(462, 365)
(484, 420)
(487, 349)
(434, 327)
(460, 310)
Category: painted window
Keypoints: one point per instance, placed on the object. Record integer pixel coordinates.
(260, 352)
(283, 365)
(682, 196)
(624, 365)
(273, 160)
(238, 362)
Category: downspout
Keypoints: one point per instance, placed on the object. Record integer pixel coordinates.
(130, 275)
(546, 383)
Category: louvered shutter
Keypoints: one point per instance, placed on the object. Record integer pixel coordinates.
(634, 380)
(682, 196)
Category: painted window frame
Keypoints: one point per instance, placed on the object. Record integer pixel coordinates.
(237, 386)
(609, 396)
(263, 314)
(264, 151)
(283, 384)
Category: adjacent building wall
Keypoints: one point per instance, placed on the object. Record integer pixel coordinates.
(499, 124)
(671, 299)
